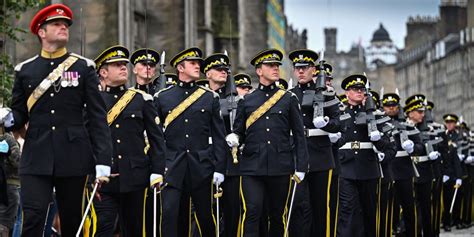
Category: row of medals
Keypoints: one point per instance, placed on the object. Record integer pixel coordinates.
(69, 79)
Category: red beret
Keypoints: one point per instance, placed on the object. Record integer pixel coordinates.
(51, 12)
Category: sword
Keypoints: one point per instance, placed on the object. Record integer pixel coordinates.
(454, 199)
(217, 195)
(96, 185)
(297, 181)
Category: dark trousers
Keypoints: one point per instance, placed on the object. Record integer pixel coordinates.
(36, 193)
(385, 209)
(467, 202)
(231, 205)
(405, 194)
(355, 194)
(319, 184)
(201, 197)
(334, 203)
(436, 192)
(149, 212)
(254, 189)
(301, 214)
(423, 204)
(448, 192)
(129, 208)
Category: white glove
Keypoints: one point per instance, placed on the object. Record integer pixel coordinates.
(334, 137)
(458, 183)
(433, 155)
(461, 157)
(217, 178)
(469, 159)
(445, 178)
(375, 136)
(320, 121)
(6, 116)
(408, 146)
(102, 171)
(156, 180)
(232, 140)
(300, 175)
(381, 156)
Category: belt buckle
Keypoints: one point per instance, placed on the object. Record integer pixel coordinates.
(355, 145)
(306, 132)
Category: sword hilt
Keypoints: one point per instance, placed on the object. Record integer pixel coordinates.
(234, 154)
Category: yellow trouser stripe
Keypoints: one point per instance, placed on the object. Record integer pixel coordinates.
(144, 212)
(244, 206)
(286, 205)
(328, 207)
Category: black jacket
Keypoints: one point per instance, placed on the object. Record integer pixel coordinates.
(128, 139)
(57, 141)
(267, 149)
(195, 142)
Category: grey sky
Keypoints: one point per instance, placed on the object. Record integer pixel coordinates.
(355, 19)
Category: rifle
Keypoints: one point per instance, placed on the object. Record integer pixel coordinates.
(161, 82)
(230, 94)
(368, 117)
(401, 115)
(318, 98)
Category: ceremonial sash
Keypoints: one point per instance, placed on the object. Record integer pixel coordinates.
(118, 107)
(264, 108)
(178, 110)
(49, 80)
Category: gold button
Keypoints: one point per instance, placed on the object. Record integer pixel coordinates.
(187, 151)
(185, 120)
(187, 135)
(355, 131)
(268, 130)
(266, 95)
(267, 117)
(133, 115)
(355, 152)
(304, 115)
(54, 128)
(52, 94)
(202, 110)
(268, 142)
(186, 92)
(52, 111)
(117, 125)
(118, 140)
(119, 156)
(115, 96)
(279, 111)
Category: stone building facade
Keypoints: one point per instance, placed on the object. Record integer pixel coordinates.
(441, 66)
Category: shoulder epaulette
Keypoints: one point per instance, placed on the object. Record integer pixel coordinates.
(162, 90)
(145, 95)
(209, 89)
(18, 66)
(89, 62)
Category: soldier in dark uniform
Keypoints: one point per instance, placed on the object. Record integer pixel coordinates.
(196, 150)
(414, 109)
(435, 134)
(216, 68)
(243, 84)
(50, 93)
(451, 168)
(403, 171)
(263, 123)
(359, 163)
(144, 68)
(321, 161)
(463, 147)
(131, 113)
